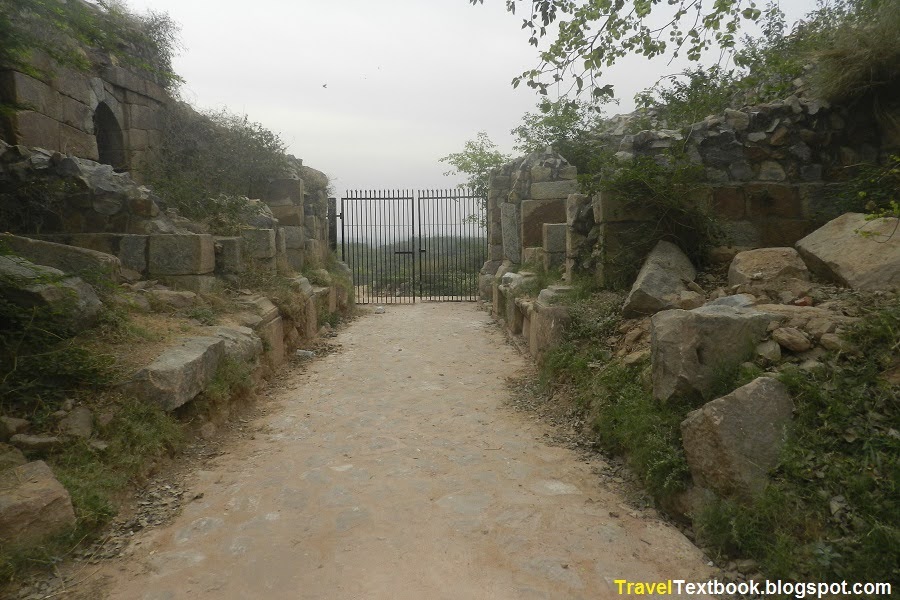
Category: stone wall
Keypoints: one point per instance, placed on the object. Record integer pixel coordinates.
(110, 114)
(78, 202)
(771, 173)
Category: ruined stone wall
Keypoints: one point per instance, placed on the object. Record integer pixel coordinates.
(81, 203)
(527, 212)
(771, 173)
(111, 114)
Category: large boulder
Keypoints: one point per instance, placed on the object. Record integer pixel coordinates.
(80, 196)
(690, 347)
(856, 252)
(179, 374)
(68, 299)
(33, 504)
(662, 283)
(766, 264)
(732, 442)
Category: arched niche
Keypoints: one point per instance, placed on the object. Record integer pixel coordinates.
(110, 142)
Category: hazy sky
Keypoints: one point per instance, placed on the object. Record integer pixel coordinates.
(372, 92)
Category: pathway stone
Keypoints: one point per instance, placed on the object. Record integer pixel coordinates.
(394, 470)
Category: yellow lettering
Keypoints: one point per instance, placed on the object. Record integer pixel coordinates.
(619, 583)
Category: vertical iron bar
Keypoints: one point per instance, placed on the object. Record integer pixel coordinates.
(409, 230)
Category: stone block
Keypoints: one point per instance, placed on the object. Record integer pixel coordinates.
(229, 255)
(554, 261)
(554, 237)
(296, 258)
(21, 89)
(731, 443)
(73, 84)
(35, 286)
(260, 306)
(33, 504)
(294, 237)
(545, 328)
(280, 242)
(259, 243)
(688, 347)
(742, 234)
(568, 172)
(68, 259)
(550, 190)
(241, 343)
(766, 264)
(284, 192)
(839, 252)
(142, 117)
(510, 220)
(131, 250)
(534, 213)
(179, 374)
(533, 256)
(31, 128)
(77, 115)
(288, 215)
(609, 207)
(181, 254)
(729, 202)
(773, 200)
(137, 139)
(784, 232)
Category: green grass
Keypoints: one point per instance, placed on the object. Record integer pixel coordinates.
(138, 436)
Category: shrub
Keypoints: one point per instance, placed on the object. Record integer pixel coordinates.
(209, 164)
(667, 192)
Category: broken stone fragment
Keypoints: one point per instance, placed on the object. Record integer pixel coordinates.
(791, 338)
(33, 504)
(732, 442)
(661, 283)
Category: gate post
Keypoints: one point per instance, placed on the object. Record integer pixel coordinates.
(332, 224)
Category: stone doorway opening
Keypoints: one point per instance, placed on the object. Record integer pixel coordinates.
(110, 141)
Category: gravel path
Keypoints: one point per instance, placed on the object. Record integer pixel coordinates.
(395, 469)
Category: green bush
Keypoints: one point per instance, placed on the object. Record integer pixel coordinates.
(62, 30)
(861, 59)
(668, 192)
(209, 164)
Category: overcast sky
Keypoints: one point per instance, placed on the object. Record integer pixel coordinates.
(371, 92)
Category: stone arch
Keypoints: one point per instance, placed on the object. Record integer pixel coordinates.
(110, 140)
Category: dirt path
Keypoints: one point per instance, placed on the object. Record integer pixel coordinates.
(392, 469)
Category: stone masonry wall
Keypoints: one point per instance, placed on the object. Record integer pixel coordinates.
(63, 109)
(771, 173)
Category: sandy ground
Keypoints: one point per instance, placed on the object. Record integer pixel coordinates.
(394, 469)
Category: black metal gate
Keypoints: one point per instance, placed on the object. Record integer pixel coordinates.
(403, 245)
